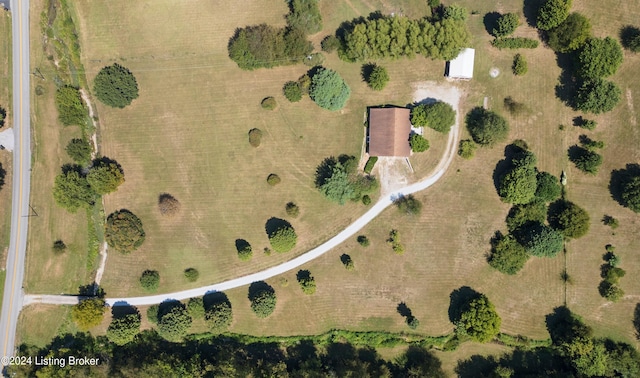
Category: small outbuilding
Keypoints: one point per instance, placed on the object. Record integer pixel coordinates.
(389, 130)
(462, 66)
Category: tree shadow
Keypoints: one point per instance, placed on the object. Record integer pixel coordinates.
(325, 170)
(567, 86)
(274, 224)
(301, 355)
(476, 366)
(91, 290)
(530, 11)
(627, 34)
(366, 71)
(3, 116)
(212, 298)
(121, 309)
(345, 259)
(490, 21)
(619, 178)
(459, 300)
(553, 212)
(68, 168)
(241, 245)
(576, 153)
(579, 121)
(636, 321)
(103, 161)
(564, 326)
(424, 101)
(303, 275)
(403, 310)
(259, 287)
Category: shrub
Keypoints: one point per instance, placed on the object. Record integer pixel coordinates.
(273, 179)
(486, 127)
(466, 148)
(569, 218)
(306, 281)
(585, 160)
(244, 250)
(514, 43)
(479, 320)
(437, 115)
(630, 37)
(150, 280)
(330, 43)
(269, 103)
(72, 191)
(408, 205)
(366, 200)
(123, 231)
(597, 96)
(418, 143)
(305, 15)
(79, 150)
(329, 90)
(292, 209)
(218, 316)
(347, 261)
(195, 307)
(378, 78)
(263, 299)
(282, 236)
(610, 221)
(123, 329)
(599, 58)
(88, 313)
(611, 292)
(548, 188)
(152, 313)
(292, 91)
(59, 247)
(255, 137)
(413, 322)
(115, 86)
(506, 24)
(394, 241)
(571, 34)
(541, 240)
(174, 324)
(304, 82)
(455, 12)
(552, 13)
(191, 274)
(168, 205)
(519, 65)
(338, 187)
(105, 176)
(368, 167)
(363, 240)
(507, 255)
(71, 109)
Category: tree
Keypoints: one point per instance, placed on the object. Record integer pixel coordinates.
(466, 149)
(524, 215)
(244, 249)
(599, 58)
(115, 86)
(292, 91)
(518, 185)
(438, 115)
(631, 193)
(305, 15)
(218, 316)
(191, 274)
(597, 96)
(519, 66)
(507, 255)
(88, 313)
(329, 90)
(571, 34)
(347, 261)
(548, 188)
(378, 78)
(168, 205)
(552, 13)
(195, 307)
(630, 36)
(541, 240)
(150, 280)
(479, 320)
(105, 176)
(123, 329)
(506, 25)
(409, 205)
(123, 231)
(283, 238)
(418, 143)
(71, 109)
(486, 127)
(337, 187)
(263, 299)
(307, 282)
(585, 160)
(330, 43)
(455, 12)
(174, 324)
(569, 218)
(79, 150)
(72, 191)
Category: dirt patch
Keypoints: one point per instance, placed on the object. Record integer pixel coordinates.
(394, 173)
(430, 90)
(632, 118)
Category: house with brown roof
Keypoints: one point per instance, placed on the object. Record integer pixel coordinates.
(389, 130)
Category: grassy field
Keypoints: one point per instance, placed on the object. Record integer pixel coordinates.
(187, 135)
(5, 156)
(38, 324)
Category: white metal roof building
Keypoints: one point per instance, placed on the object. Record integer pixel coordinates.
(462, 66)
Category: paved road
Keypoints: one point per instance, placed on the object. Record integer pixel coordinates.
(12, 299)
(345, 234)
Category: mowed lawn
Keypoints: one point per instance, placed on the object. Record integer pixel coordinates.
(6, 157)
(186, 135)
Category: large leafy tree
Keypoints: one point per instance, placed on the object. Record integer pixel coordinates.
(597, 96)
(378, 78)
(507, 255)
(548, 187)
(263, 299)
(174, 324)
(123, 231)
(486, 127)
(88, 313)
(518, 185)
(631, 193)
(305, 15)
(105, 176)
(526, 214)
(329, 90)
(571, 34)
(71, 109)
(438, 115)
(338, 187)
(599, 58)
(218, 316)
(72, 191)
(283, 239)
(506, 24)
(479, 320)
(552, 13)
(569, 218)
(79, 150)
(123, 329)
(115, 86)
(541, 240)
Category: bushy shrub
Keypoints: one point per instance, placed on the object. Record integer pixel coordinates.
(610, 221)
(273, 179)
(88, 313)
(569, 218)
(368, 167)
(486, 127)
(366, 200)
(307, 282)
(611, 292)
(244, 249)
(123, 231)
(105, 176)
(599, 58)
(347, 261)
(418, 143)
(378, 78)
(438, 115)
(71, 109)
(552, 13)
(466, 148)
(115, 86)
(479, 320)
(195, 307)
(263, 300)
(152, 314)
(630, 193)
(525, 215)
(518, 185)
(59, 247)
(394, 242)
(191, 274)
(541, 240)
(585, 160)
(218, 316)
(587, 124)
(507, 255)
(123, 329)
(330, 43)
(363, 240)
(506, 24)
(79, 150)
(174, 324)
(514, 43)
(255, 137)
(548, 187)
(630, 36)
(304, 82)
(168, 205)
(282, 237)
(150, 280)
(571, 34)
(519, 66)
(329, 90)
(597, 96)
(313, 60)
(292, 209)
(269, 103)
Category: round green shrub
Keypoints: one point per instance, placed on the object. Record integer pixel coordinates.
(418, 143)
(115, 86)
(123, 231)
(191, 274)
(329, 90)
(273, 179)
(292, 91)
(255, 137)
(520, 66)
(269, 103)
(378, 78)
(150, 280)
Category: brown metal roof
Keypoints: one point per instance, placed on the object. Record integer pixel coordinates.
(389, 130)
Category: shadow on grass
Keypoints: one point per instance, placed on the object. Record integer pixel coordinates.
(241, 245)
(121, 309)
(530, 11)
(490, 21)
